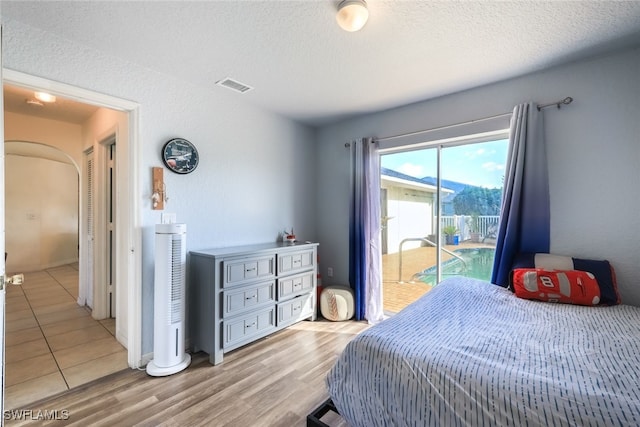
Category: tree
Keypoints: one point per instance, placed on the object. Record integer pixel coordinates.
(477, 201)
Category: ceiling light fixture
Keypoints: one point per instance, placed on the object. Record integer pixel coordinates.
(34, 103)
(45, 97)
(352, 14)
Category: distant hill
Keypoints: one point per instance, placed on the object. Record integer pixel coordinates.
(452, 185)
(447, 202)
(456, 187)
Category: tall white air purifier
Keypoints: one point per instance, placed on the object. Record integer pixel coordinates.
(169, 356)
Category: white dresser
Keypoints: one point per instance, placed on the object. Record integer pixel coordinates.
(240, 294)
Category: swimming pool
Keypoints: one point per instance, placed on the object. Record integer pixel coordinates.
(476, 263)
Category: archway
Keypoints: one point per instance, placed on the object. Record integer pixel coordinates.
(41, 207)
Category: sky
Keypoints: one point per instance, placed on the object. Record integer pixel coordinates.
(480, 164)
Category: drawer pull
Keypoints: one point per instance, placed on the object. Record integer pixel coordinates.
(297, 261)
(251, 325)
(250, 269)
(251, 297)
(296, 308)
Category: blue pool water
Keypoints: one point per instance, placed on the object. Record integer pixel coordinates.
(478, 263)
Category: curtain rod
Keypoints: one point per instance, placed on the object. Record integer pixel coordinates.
(566, 101)
(443, 127)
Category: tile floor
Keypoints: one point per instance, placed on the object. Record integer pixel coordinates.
(51, 343)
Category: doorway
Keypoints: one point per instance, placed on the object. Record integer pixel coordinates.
(127, 241)
(101, 237)
(52, 343)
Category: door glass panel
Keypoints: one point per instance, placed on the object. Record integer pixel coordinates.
(470, 213)
(466, 201)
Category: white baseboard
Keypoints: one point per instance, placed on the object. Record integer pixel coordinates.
(28, 268)
(146, 358)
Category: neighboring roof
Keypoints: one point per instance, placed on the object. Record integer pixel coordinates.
(408, 181)
(396, 174)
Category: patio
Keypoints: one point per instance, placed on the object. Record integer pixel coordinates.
(396, 295)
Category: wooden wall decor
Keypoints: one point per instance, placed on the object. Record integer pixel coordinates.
(158, 190)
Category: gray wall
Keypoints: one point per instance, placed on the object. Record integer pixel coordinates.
(257, 169)
(593, 151)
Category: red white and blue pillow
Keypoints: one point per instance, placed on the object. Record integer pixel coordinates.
(555, 278)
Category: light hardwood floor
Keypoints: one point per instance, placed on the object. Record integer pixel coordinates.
(276, 381)
(52, 346)
(51, 343)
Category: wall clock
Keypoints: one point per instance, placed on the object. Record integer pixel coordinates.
(180, 156)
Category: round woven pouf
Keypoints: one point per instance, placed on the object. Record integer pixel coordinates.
(336, 303)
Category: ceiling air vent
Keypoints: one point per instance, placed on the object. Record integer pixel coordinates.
(234, 85)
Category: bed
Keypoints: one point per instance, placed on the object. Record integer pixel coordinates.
(470, 353)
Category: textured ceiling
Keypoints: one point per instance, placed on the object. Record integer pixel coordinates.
(304, 66)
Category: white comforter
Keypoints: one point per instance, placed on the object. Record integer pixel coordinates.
(470, 353)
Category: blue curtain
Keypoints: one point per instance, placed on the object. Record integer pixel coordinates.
(365, 256)
(524, 217)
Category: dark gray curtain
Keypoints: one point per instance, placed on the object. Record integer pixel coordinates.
(524, 217)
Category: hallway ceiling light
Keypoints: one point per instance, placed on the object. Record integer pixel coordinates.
(45, 97)
(352, 14)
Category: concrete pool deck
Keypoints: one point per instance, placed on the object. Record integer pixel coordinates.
(398, 295)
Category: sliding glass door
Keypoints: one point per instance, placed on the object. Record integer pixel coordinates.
(440, 215)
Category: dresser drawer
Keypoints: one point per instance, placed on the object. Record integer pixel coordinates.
(246, 269)
(292, 286)
(242, 329)
(296, 309)
(238, 299)
(295, 261)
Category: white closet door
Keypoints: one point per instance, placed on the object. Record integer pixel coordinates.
(90, 228)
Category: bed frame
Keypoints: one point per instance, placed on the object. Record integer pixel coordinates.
(313, 419)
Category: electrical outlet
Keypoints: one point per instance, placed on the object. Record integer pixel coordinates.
(168, 218)
(330, 272)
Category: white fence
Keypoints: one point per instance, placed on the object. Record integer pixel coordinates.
(487, 225)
